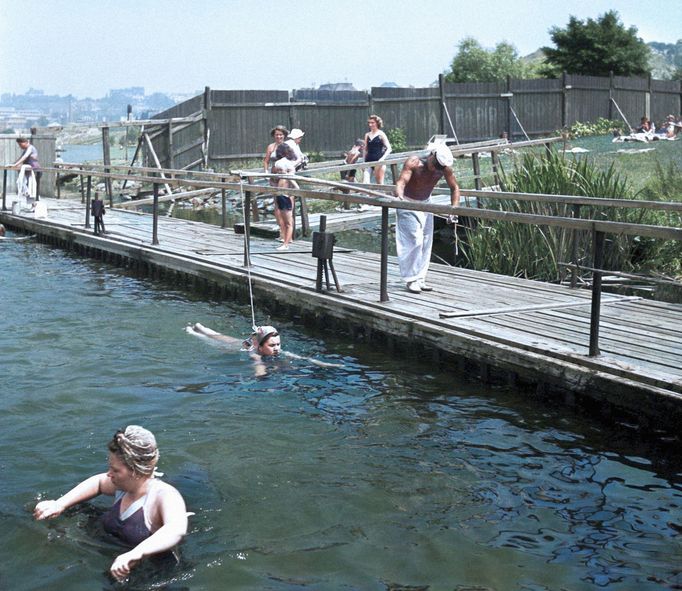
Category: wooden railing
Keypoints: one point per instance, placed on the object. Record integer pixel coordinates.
(381, 196)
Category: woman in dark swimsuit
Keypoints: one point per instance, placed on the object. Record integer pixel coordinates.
(148, 515)
(377, 148)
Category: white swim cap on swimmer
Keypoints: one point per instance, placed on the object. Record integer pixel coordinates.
(443, 155)
(263, 332)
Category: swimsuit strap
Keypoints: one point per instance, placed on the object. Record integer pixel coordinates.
(135, 505)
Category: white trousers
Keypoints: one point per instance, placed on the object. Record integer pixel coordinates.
(26, 182)
(413, 240)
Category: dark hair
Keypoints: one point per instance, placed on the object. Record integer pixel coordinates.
(281, 128)
(284, 151)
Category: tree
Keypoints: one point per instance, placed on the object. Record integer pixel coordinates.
(473, 63)
(597, 47)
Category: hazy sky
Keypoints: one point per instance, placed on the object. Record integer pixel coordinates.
(86, 47)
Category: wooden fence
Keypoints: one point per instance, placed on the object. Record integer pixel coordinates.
(236, 123)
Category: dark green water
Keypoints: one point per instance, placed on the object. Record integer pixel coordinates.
(385, 474)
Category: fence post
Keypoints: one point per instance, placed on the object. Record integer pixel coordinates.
(598, 250)
(155, 223)
(106, 158)
(206, 134)
(4, 189)
(87, 202)
(510, 119)
(383, 281)
(564, 99)
(611, 99)
(441, 86)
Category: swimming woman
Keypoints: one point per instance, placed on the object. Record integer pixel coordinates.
(148, 515)
(264, 342)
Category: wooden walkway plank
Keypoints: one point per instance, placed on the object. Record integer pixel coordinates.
(538, 328)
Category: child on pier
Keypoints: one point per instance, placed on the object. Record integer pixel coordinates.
(97, 210)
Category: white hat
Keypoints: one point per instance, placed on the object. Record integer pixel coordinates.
(443, 155)
(296, 133)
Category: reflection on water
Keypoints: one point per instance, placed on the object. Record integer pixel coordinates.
(378, 475)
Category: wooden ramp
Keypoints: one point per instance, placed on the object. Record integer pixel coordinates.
(534, 330)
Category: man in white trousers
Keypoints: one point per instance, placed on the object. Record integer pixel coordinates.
(414, 229)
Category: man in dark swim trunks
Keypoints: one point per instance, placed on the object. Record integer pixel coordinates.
(414, 229)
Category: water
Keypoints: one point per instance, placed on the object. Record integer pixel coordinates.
(380, 475)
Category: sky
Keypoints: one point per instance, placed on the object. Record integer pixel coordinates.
(87, 47)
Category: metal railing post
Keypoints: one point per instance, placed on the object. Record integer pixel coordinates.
(87, 202)
(247, 228)
(223, 202)
(383, 281)
(155, 223)
(598, 249)
(574, 249)
(4, 190)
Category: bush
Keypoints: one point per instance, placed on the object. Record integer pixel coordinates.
(600, 127)
(534, 252)
(398, 139)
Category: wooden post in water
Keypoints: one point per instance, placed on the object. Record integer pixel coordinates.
(598, 249)
(155, 223)
(4, 190)
(383, 280)
(87, 203)
(106, 158)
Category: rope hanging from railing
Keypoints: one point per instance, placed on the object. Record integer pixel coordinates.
(254, 327)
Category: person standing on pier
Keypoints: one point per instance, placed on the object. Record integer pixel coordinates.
(414, 229)
(376, 149)
(98, 211)
(29, 169)
(294, 141)
(279, 134)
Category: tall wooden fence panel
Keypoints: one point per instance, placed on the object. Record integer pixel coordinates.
(538, 106)
(666, 99)
(588, 99)
(631, 96)
(477, 109)
(416, 111)
(237, 123)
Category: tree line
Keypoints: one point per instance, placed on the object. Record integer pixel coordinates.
(593, 47)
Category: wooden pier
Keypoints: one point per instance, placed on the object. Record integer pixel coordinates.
(492, 326)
